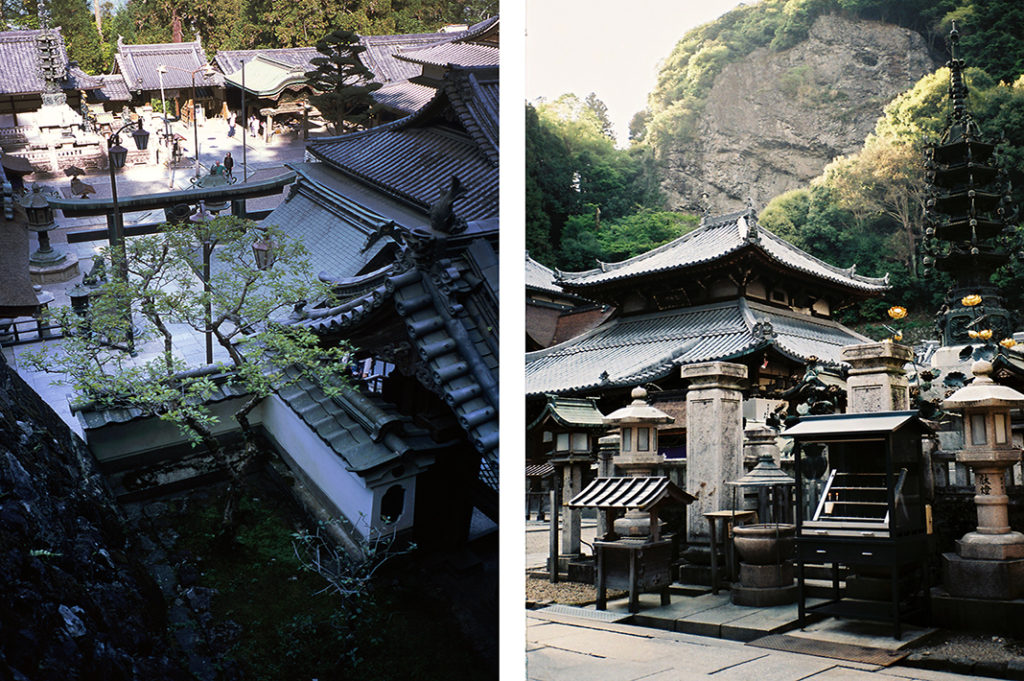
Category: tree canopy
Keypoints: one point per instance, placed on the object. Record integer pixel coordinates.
(233, 24)
(578, 182)
(344, 84)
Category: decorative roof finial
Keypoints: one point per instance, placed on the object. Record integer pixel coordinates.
(957, 86)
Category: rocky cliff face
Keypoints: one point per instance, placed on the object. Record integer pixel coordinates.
(775, 119)
(73, 605)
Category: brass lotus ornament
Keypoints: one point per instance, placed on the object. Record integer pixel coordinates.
(897, 312)
(1008, 343)
(971, 300)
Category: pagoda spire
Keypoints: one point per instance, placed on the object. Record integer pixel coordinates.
(957, 85)
(968, 217)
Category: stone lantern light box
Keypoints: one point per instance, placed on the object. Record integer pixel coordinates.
(989, 562)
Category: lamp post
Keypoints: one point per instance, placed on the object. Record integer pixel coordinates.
(245, 128)
(161, 70)
(201, 217)
(116, 157)
(207, 73)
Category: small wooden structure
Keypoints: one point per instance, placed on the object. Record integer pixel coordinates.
(638, 564)
(871, 514)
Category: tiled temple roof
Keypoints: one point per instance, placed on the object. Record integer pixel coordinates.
(380, 52)
(412, 158)
(93, 416)
(636, 349)
(571, 412)
(19, 65)
(541, 277)
(112, 89)
(463, 54)
(405, 96)
(138, 64)
(449, 309)
(714, 239)
(358, 427)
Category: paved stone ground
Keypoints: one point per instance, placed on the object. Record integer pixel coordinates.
(263, 159)
(563, 648)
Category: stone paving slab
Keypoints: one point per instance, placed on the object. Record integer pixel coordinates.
(861, 633)
(555, 654)
(551, 664)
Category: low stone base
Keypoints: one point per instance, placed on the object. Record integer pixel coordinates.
(983, 579)
(66, 270)
(764, 597)
(761, 576)
(978, 546)
(1005, 618)
(694, 574)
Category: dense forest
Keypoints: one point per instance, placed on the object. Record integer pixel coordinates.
(864, 208)
(91, 28)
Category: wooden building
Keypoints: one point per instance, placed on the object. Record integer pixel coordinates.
(729, 291)
(183, 64)
(403, 219)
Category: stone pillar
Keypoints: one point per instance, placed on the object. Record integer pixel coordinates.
(714, 440)
(877, 380)
(572, 484)
(607, 448)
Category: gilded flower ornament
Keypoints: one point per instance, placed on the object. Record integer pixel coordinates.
(897, 312)
(971, 300)
(1008, 343)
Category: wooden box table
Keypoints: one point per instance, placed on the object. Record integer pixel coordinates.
(638, 565)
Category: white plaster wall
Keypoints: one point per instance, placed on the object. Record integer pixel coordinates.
(325, 468)
(405, 520)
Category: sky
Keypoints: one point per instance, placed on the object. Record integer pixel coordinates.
(610, 47)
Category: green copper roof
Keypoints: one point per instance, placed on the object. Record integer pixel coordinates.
(266, 77)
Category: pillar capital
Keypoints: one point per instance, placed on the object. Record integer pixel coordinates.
(715, 375)
(872, 357)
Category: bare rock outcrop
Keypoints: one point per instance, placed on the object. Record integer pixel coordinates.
(74, 604)
(773, 120)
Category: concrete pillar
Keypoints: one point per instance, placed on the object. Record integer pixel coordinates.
(714, 440)
(877, 380)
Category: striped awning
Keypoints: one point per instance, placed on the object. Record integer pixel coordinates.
(644, 493)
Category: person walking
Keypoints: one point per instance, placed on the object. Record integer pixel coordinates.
(231, 124)
(229, 165)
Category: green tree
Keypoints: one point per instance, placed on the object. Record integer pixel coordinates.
(640, 232)
(166, 288)
(346, 87)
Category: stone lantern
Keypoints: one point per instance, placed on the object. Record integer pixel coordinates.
(989, 562)
(638, 456)
(40, 221)
(569, 426)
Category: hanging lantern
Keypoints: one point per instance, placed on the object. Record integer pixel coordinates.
(264, 250)
(118, 155)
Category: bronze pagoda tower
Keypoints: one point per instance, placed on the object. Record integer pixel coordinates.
(968, 218)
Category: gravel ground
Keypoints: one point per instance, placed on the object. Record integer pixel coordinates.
(540, 591)
(996, 656)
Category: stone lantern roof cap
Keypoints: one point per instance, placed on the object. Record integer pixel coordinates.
(765, 474)
(638, 411)
(984, 392)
